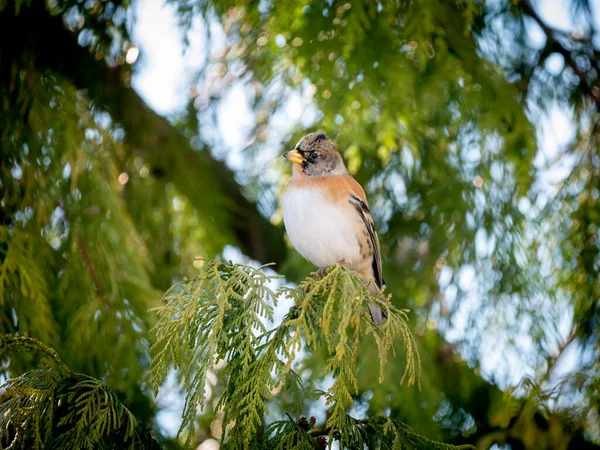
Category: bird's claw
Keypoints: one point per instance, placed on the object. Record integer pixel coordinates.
(321, 271)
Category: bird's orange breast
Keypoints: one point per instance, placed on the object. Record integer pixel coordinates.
(336, 188)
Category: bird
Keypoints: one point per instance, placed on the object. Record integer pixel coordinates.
(326, 214)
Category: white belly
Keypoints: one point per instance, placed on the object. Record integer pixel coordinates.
(321, 232)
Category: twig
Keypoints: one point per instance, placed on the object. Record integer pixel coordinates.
(322, 432)
(555, 45)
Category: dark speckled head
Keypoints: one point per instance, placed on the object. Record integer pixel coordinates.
(317, 155)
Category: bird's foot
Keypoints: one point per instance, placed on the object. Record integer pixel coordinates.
(321, 271)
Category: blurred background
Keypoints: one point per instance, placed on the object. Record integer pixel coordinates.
(137, 135)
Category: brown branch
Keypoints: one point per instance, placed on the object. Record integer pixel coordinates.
(322, 432)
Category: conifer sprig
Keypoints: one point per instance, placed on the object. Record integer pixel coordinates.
(221, 315)
(54, 408)
(382, 433)
(334, 317)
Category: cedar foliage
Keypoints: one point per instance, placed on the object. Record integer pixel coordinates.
(221, 315)
(54, 408)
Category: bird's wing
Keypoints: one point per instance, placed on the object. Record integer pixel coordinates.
(358, 199)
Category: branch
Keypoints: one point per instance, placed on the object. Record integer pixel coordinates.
(326, 431)
(230, 218)
(553, 43)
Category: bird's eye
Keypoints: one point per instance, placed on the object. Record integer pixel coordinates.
(312, 156)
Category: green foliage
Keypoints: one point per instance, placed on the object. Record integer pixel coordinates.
(212, 317)
(67, 236)
(333, 315)
(54, 408)
(24, 284)
(221, 315)
(285, 434)
(383, 433)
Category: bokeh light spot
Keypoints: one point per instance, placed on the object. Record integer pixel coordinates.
(132, 54)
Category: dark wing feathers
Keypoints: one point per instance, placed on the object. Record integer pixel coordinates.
(363, 211)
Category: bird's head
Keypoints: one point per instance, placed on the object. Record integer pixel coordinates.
(316, 155)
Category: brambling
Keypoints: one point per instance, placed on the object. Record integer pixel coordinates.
(326, 214)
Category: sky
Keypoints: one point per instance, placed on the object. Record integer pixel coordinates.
(162, 78)
(163, 74)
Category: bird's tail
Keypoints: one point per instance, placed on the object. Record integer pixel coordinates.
(377, 314)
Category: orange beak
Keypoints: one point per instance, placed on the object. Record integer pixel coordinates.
(294, 156)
